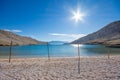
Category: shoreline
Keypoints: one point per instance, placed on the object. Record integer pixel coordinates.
(45, 58)
(112, 55)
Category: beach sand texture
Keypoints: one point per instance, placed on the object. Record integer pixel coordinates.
(91, 68)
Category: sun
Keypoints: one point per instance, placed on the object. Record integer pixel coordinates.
(78, 16)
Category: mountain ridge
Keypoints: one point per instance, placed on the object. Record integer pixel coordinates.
(6, 37)
(58, 42)
(108, 35)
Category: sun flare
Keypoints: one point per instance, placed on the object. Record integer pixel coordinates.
(78, 15)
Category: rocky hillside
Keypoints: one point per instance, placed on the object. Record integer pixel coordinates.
(6, 37)
(108, 35)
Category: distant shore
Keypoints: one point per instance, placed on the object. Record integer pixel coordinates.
(91, 68)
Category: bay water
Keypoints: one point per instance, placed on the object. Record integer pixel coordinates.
(32, 51)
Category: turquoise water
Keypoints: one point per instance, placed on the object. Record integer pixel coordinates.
(56, 50)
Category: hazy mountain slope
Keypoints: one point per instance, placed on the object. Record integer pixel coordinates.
(109, 35)
(57, 42)
(6, 37)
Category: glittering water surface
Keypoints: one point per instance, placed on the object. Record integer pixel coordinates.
(56, 50)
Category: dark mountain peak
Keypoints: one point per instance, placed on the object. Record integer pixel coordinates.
(112, 26)
(104, 35)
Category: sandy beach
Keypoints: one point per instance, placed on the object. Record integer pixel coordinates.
(91, 68)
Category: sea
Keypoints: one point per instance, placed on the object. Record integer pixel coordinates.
(65, 50)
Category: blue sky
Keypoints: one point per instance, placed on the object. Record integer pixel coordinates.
(48, 20)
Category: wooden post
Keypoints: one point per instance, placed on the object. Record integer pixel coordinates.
(108, 53)
(78, 59)
(48, 51)
(10, 51)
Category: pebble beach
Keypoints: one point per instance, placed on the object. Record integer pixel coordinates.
(91, 68)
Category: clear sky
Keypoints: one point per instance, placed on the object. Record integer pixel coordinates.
(62, 20)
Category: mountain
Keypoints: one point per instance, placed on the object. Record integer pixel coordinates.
(108, 35)
(6, 37)
(57, 42)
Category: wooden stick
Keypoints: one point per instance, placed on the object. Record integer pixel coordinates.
(78, 59)
(48, 51)
(109, 53)
(10, 51)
